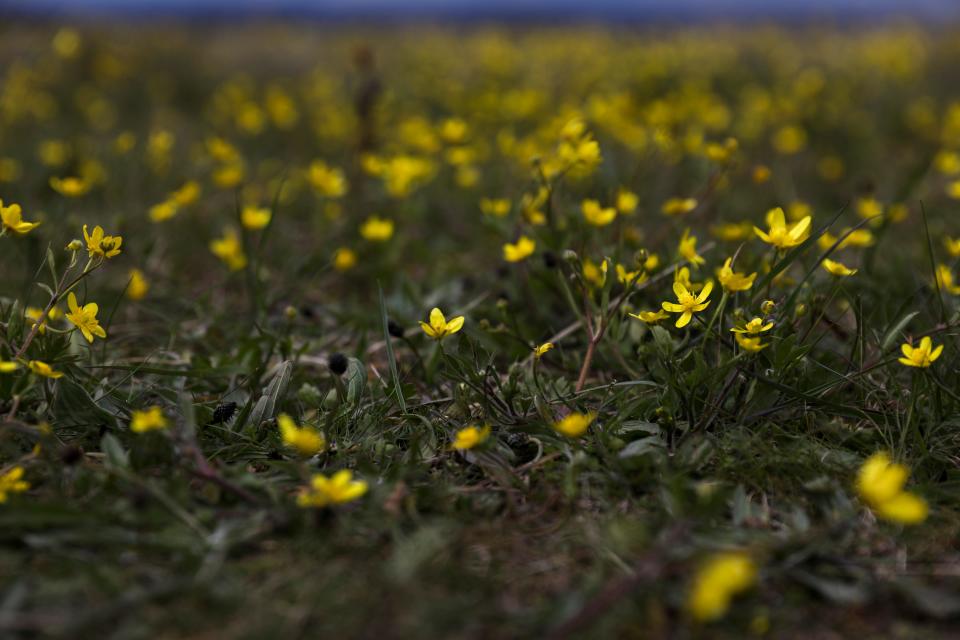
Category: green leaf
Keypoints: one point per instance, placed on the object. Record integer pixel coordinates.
(268, 404)
(116, 455)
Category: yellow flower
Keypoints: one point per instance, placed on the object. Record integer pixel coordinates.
(721, 577)
(469, 437)
(138, 285)
(789, 140)
(101, 245)
(761, 173)
(687, 304)
(858, 238)
(522, 250)
(85, 318)
(306, 440)
(688, 249)
(439, 328)
(71, 186)
(377, 229)
(627, 202)
(327, 181)
(150, 420)
(12, 482)
(540, 350)
(496, 207)
(651, 317)
(43, 369)
(230, 250)
(733, 231)
(678, 206)
(780, 234)
(344, 259)
(575, 424)
(12, 219)
(922, 356)
(594, 274)
(753, 327)
(164, 210)
(945, 279)
(626, 277)
(187, 194)
(869, 207)
(229, 175)
(837, 268)
(596, 215)
(254, 218)
(731, 280)
(953, 190)
(324, 491)
(34, 314)
(880, 484)
(8, 367)
(952, 245)
(751, 344)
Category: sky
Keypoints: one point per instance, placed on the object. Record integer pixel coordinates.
(613, 9)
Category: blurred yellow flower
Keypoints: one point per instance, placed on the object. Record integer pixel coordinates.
(255, 218)
(71, 186)
(12, 219)
(596, 215)
(880, 484)
(836, 268)
(138, 286)
(575, 424)
(43, 369)
(344, 259)
(306, 440)
(922, 356)
(230, 250)
(719, 579)
(470, 437)
(496, 207)
(626, 202)
(540, 350)
(327, 181)
(651, 317)
(376, 229)
(732, 280)
(150, 420)
(781, 235)
(688, 249)
(8, 367)
(12, 482)
(324, 491)
(521, 250)
(678, 206)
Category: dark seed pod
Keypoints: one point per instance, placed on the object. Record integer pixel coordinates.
(71, 454)
(550, 260)
(224, 412)
(394, 329)
(338, 364)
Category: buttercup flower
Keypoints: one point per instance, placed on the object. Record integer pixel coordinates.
(377, 229)
(138, 285)
(328, 181)
(540, 350)
(150, 420)
(731, 280)
(43, 369)
(688, 249)
(687, 304)
(596, 215)
(85, 318)
(496, 207)
(627, 202)
(781, 235)
(748, 343)
(922, 356)
(439, 327)
(12, 482)
(651, 317)
(101, 245)
(470, 437)
(721, 577)
(33, 313)
(8, 367)
(837, 268)
(72, 187)
(678, 206)
(575, 424)
(255, 218)
(753, 327)
(324, 491)
(230, 250)
(12, 219)
(306, 440)
(880, 484)
(344, 259)
(945, 280)
(521, 250)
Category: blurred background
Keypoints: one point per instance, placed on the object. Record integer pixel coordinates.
(550, 10)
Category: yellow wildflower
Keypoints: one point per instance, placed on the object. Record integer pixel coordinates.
(138, 285)
(377, 229)
(678, 206)
(439, 327)
(597, 215)
(324, 491)
(687, 304)
(12, 219)
(306, 440)
(12, 482)
(880, 484)
(496, 207)
(952, 245)
(753, 327)
(230, 250)
(748, 343)
(254, 218)
(651, 317)
(150, 420)
(781, 235)
(627, 202)
(43, 369)
(575, 424)
(8, 367)
(327, 181)
(101, 245)
(922, 356)
(838, 269)
(945, 279)
(722, 577)
(85, 318)
(540, 350)
(732, 280)
(344, 259)
(71, 186)
(688, 249)
(521, 250)
(470, 437)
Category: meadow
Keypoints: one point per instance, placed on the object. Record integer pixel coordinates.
(490, 332)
